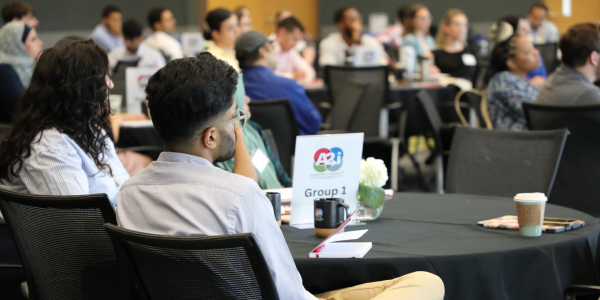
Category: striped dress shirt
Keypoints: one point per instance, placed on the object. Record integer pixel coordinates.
(58, 166)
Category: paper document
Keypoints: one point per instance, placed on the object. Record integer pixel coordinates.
(329, 249)
(137, 124)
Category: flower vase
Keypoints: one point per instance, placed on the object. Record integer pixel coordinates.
(367, 213)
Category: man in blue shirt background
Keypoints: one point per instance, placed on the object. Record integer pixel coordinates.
(108, 34)
(258, 60)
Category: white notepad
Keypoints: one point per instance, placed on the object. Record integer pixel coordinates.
(330, 249)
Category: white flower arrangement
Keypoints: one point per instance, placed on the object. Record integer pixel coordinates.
(373, 172)
(373, 175)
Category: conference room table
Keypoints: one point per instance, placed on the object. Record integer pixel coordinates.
(406, 94)
(439, 234)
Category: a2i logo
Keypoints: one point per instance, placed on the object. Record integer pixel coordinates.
(328, 159)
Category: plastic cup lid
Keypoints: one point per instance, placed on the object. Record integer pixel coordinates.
(531, 197)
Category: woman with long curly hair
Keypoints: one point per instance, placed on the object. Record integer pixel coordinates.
(60, 144)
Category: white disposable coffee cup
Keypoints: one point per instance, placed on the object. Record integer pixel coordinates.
(115, 102)
(530, 213)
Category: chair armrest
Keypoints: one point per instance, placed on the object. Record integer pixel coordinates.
(325, 105)
(452, 104)
(581, 290)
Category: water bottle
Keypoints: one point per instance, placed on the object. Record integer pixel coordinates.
(482, 46)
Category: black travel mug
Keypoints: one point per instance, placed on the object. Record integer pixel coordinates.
(275, 199)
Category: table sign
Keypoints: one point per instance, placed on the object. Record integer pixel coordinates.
(192, 43)
(325, 166)
(136, 80)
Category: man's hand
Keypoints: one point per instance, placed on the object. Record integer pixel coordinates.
(299, 74)
(537, 80)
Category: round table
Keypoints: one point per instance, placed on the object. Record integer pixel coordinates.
(438, 234)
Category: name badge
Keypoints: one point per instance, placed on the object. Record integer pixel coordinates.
(260, 161)
(469, 60)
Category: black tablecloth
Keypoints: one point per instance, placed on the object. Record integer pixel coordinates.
(438, 234)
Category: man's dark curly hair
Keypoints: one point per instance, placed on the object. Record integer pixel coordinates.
(68, 92)
(187, 94)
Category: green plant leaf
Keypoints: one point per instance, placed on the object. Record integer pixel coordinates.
(371, 196)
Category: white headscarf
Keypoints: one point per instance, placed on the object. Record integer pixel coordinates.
(12, 51)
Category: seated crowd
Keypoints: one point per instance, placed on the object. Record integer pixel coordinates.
(62, 140)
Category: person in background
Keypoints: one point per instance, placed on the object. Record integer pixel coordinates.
(335, 48)
(306, 46)
(289, 62)
(270, 175)
(451, 55)
(135, 49)
(258, 60)
(108, 34)
(521, 28)
(393, 35)
(198, 121)
(573, 81)
(59, 143)
(222, 29)
(19, 11)
(245, 18)
(512, 58)
(416, 33)
(163, 24)
(542, 30)
(19, 49)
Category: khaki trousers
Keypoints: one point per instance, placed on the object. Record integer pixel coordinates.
(413, 286)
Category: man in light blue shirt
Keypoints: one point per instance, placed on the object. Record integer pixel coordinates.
(542, 30)
(108, 33)
(184, 194)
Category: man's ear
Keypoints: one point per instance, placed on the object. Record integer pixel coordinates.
(594, 58)
(210, 138)
(263, 52)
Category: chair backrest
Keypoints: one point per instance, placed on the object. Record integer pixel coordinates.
(208, 267)
(120, 87)
(4, 129)
(122, 65)
(357, 96)
(481, 72)
(434, 122)
(503, 163)
(549, 55)
(576, 183)
(64, 248)
(278, 116)
(271, 142)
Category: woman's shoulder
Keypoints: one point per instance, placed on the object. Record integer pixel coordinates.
(7, 70)
(54, 141)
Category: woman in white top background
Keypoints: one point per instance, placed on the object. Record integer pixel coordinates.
(60, 140)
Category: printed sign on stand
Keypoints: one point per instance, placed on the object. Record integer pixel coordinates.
(325, 166)
(192, 43)
(136, 80)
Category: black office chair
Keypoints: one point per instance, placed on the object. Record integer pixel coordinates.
(119, 88)
(503, 163)
(577, 177)
(207, 267)
(122, 65)
(582, 292)
(4, 130)
(481, 72)
(271, 142)
(278, 116)
(359, 98)
(549, 55)
(440, 132)
(64, 247)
